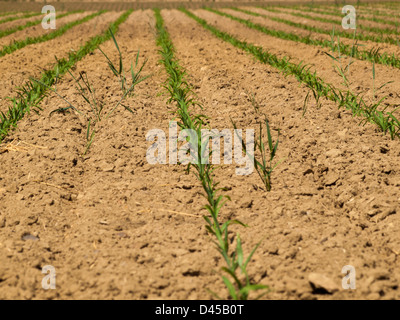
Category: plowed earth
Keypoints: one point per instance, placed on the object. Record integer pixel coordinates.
(33, 59)
(114, 226)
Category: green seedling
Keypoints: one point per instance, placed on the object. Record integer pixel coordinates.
(88, 93)
(24, 16)
(384, 120)
(338, 21)
(265, 167)
(338, 66)
(120, 73)
(362, 37)
(375, 15)
(254, 103)
(9, 31)
(181, 94)
(374, 86)
(48, 36)
(32, 93)
(346, 99)
(317, 97)
(349, 50)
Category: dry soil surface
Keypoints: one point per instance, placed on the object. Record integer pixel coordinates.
(114, 226)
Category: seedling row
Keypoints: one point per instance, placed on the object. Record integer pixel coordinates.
(179, 94)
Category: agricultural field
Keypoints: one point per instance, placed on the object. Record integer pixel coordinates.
(87, 190)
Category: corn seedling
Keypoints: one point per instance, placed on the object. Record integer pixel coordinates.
(88, 93)
(4, 14)
(30, 95)
(120, 73)
(254, 103)
(181, 94)
(266, 166)
(374, 85)
(381, 31)
(24, 16)
(9, 31)
(346, 99)
(338, 66)
(317, 96)
(366, 55)
(49, 36)
(338, 13)
(362, 37)
(385, 120)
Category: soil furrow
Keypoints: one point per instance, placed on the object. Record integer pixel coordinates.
(32, 60)
(322, 25)
(366, 45)
(315, 57)
(37, 31)
(121, 233)
(303, 204)
(359, 20)
(17, 22)
(116, 227)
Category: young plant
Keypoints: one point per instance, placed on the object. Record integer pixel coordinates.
(386, 121)
(96, 108)
(343, 71)
(9, 31)
(317, 93)
(381, 58)
(120, 73)
(32, 93)
(265, 167)
(346, 99)
(16, 45)
(239, 285)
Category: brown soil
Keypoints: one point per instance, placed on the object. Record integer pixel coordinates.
(31, 60)
(6, 6)
(366, 45)
(114, 226)
(360, 21)
(18, 22)
(369, 9)
(369, 44)
(323, 25)
(135, 252)
(288, 216)
(327, 26)
(361, 75)
(37, 31)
